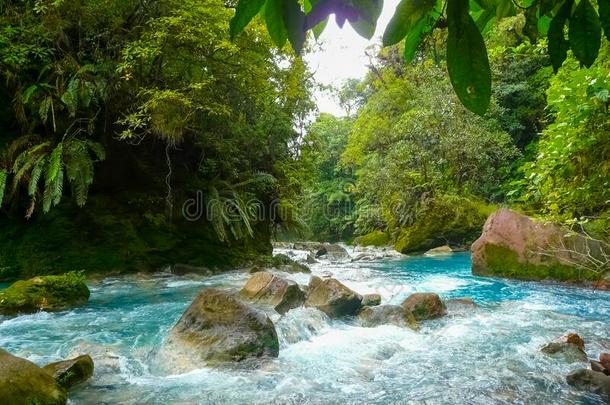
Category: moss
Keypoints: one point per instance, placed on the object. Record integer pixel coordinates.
(503, 262)
(280, 262)
(375, 238)
(448, 220)
(114, 235)
(50, 293)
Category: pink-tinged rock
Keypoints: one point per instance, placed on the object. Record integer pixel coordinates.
(514, 245)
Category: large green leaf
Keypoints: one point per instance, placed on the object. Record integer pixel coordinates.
(406, 16)
(294, 20)
(274, 18)
(245, 12)
(467, 60)
(504, 8)
(585, 33)
(558, 45)
(321, 25)
(368, 14)
(415, 35)
(604, 16)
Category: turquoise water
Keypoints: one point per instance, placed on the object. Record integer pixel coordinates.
(484, 356)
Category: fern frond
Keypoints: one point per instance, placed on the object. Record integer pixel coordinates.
(35, 176)
(3, 181)
(55, 163)
(98, 150)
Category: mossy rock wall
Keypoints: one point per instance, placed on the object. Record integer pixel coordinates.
(376, 238)
(116, 235)
(450, 221)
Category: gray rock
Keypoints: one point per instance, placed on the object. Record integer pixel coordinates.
(387, 315)
(589, 380)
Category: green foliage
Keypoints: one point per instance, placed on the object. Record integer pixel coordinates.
(467, 59)
(569, 176)
(375, 238)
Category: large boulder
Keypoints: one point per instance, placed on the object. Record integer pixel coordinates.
(71, 372)
(45, 293)
(516, 246)
(23, 382)
(589, 380)
(332, 297)
(425, 306)
(387, 315)
(218, 328)
(570, 347)
(267, 288)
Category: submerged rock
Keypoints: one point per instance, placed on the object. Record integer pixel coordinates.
(516, 246)
(44, 293)
(439, 251)
(267, 288)
(461, 304)
(71, 372)
(332, 297)
(218, 328)
(425, 306)
(570, 347)
(589, 380)
(598, 366)
(387, 315)
(23, 382)
(371, 300)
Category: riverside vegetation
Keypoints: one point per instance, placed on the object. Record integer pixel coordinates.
(122, 113)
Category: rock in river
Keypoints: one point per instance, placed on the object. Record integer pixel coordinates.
(46, 293)
(570, 347)
(267, 288)
(23, 382)
(425, 306)
(371, 300)
(589, 380)
(387, 315)
(219, 328)
(332, 297)
(71, 372)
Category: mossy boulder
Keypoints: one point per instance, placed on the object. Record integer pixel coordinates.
(44, 293)
(332, 297)
(267, 288)
(219, 328)
(455, 221)
(24, 383)
(387, 315)
(70, 372)
(516, 246)
(376, 238)
(425, 306)
(371, 300)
